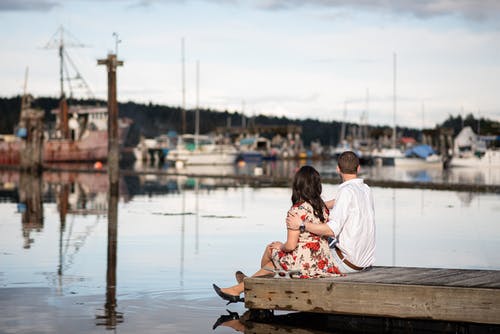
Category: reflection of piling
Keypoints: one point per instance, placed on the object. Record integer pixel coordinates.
(31, 205)
(31, 155)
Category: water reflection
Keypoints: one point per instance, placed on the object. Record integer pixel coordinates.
(327, 168)
(262, 321)
(111, 317)
(172, 231)
(30, 206)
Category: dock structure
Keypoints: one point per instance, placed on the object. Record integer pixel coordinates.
(400, 292)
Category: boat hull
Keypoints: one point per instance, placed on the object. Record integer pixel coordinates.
(202, 158)
(490, 159)
(93, 147)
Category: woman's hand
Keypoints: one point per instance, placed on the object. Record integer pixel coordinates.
(276, 245)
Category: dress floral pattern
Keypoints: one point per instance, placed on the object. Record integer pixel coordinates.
(312, 256)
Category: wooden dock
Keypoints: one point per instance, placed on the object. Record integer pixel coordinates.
(411, 293)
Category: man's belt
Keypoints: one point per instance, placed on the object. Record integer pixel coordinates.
(343, 259)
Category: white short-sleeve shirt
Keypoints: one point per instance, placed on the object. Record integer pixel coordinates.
(352, 220)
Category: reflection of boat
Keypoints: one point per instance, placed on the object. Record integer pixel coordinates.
(201, 150)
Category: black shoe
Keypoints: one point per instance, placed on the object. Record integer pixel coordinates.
(227, 296)
(239, 276)
(226, 317)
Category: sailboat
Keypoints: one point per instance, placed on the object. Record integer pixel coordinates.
(196, 149)
(81, 131)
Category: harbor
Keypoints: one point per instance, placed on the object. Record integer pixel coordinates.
(153, 160)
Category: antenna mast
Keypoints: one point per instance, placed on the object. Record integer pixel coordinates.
(58, 42)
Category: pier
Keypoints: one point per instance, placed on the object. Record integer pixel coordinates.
(411, 293)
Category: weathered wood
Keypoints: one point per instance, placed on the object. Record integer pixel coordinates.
(418, 293)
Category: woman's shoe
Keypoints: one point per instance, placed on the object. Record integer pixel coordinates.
(226, 317)
(239, 276)
(226, 296)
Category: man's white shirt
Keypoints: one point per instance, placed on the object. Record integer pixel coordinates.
(352, 220)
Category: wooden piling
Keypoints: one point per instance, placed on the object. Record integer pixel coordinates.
(31, 154)
(112, 63)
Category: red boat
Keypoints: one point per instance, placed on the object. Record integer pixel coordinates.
(87, 139)
(80, 133)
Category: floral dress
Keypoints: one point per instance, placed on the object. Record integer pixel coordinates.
(312, 256)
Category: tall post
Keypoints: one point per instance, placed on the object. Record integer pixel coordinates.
(111, 316)
(31, 155)
(113, 144)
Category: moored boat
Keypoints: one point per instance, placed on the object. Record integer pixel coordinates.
(201, 150)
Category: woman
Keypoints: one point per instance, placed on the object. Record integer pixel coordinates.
(304, 252)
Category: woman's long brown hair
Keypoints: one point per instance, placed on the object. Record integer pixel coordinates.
(307, 187)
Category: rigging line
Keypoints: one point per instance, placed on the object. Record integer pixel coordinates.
(68, 79)
(78, 76)
(69, 235)
(88, 231)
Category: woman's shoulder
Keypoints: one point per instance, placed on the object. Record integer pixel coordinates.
(301, 206)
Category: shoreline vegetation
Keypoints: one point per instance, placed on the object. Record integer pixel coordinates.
(151, 120)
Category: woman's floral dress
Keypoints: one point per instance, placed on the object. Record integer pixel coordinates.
(312, 256)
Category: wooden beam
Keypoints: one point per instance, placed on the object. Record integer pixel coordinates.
(382, 297)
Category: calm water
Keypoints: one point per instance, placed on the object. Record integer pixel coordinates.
(177, 235)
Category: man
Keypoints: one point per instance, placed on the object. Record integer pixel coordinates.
(352, 219)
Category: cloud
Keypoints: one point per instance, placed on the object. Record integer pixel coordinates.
(469, 9)
(27, 5)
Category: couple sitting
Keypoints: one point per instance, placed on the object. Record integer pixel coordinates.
(323, 238)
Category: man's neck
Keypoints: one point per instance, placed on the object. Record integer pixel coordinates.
(348, 177)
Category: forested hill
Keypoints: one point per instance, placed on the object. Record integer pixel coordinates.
(151, 120)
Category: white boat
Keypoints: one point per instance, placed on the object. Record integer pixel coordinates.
(430, 161)
(201, 150)
(419, 156)
(470, 150)
(490, 158)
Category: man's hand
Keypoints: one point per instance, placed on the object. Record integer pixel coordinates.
(293, 221)
(329, 204)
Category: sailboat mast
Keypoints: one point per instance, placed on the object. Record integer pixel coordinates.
(197, 115)
(394, 103)
(183, 88)
(342, 129)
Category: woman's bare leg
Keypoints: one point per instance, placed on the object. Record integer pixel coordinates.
(266, 262)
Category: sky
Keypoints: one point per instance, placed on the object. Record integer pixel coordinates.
(380, 62)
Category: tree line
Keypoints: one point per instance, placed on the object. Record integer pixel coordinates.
(151, 120)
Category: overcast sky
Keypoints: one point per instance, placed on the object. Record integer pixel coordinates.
(294, 58)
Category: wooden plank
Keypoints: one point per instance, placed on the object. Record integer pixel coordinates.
(427, 276)
(480, 305)
(484, 279)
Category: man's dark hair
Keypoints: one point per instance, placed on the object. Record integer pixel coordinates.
(348, 162)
